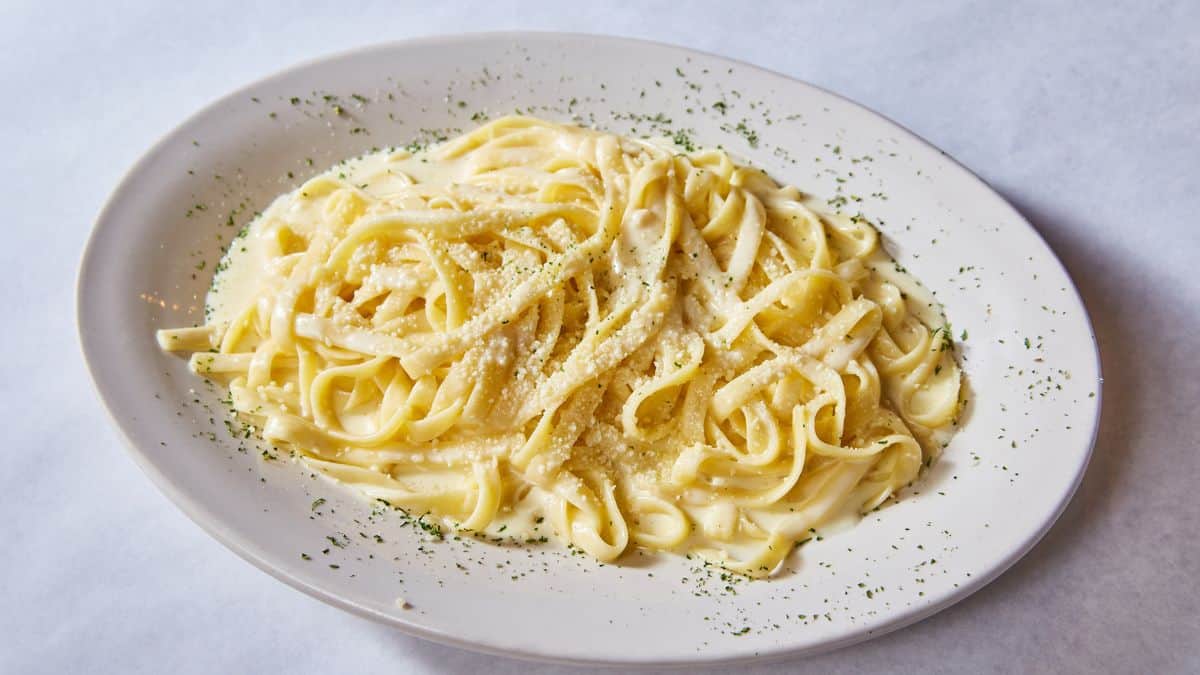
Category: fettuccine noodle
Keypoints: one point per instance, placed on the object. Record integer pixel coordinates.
(538, 322)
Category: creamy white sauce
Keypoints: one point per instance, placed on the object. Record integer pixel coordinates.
(246, 274)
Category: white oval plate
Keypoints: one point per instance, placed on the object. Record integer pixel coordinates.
(1029, 354)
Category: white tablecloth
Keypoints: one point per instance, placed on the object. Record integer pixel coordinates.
(1086, 117)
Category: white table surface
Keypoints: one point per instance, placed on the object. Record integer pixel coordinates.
(1087, 119)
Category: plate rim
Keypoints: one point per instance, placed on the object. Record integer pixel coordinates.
(247, 550)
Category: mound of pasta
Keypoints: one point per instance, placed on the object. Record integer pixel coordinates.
(536, 327)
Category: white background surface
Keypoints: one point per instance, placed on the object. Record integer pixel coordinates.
(1086, 118)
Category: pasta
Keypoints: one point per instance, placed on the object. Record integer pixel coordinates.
(536, 325)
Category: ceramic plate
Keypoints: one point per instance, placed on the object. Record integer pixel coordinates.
(1026, 345)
